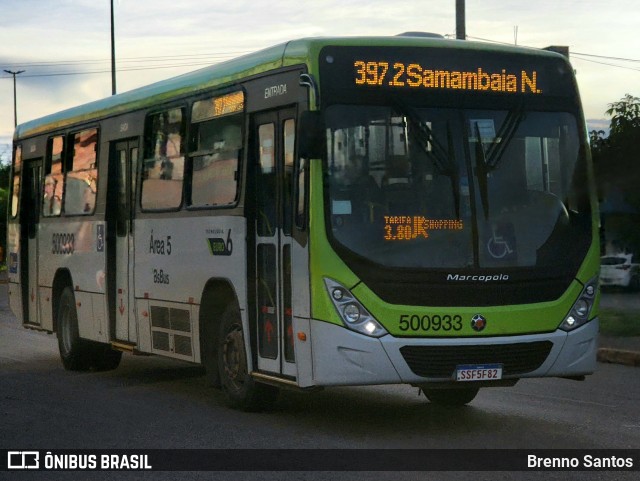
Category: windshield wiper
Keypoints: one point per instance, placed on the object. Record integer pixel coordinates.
(442, 158)
(503, 138)
(482, 172)
(490, 160)
(453, 172)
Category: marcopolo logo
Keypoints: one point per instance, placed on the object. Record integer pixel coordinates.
(23, 460)
(478, 322)
(477, 278)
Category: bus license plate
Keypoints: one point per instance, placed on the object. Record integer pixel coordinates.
(479, 372)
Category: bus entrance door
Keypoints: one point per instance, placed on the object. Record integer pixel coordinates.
(274, 161)
(120, 208)
(30, 215)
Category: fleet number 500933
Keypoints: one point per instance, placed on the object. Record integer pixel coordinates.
(435, 323)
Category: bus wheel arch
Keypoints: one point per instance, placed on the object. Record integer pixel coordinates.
(216, 296)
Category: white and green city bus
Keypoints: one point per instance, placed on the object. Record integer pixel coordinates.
(330, 211)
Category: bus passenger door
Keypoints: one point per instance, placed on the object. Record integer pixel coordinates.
(273, 161)
(119, 216)
(29, 219)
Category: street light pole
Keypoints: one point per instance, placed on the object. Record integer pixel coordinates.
(15, 102)
(461, 28)
(113, 55)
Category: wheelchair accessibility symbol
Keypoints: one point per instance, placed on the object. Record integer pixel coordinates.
(501, 244)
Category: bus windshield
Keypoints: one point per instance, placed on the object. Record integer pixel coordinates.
(454, 188)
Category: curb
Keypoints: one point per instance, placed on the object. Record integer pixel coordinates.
(618, 356)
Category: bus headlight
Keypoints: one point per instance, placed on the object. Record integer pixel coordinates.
(581, 310)
(352, 312)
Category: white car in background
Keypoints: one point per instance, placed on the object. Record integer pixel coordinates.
(620, 270)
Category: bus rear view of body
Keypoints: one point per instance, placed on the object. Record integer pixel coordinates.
(343, 211)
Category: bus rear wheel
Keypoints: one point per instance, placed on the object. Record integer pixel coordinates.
(451, 397)
(241, 390)
(80, 354)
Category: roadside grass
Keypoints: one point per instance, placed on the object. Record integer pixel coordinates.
(620, 323)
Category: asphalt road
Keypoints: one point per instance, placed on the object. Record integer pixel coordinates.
(150, 402)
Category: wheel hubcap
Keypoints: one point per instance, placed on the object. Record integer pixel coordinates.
(233, 357)
(66, 329)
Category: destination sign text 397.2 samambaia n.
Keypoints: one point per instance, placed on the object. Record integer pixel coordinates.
(414, 75)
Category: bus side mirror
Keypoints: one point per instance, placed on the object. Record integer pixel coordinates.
(311, 135)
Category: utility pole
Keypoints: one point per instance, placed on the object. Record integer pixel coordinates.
(461, 29)
(15, 102)
(113, 55)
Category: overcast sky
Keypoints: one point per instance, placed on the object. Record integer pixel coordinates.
(64, 45)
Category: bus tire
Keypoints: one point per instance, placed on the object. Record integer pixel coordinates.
(453, 397)
(74, 352)
(103, 358)
(80, 354)
(241, 390)
(209, 356)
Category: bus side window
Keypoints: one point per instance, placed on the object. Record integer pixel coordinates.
(82, 181)
(215, 148)
(163, 165)
(54, 178)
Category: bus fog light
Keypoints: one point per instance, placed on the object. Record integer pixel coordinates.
(352, 313)
(370, 327)
(571, 320)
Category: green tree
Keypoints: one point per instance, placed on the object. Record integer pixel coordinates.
(625, 116)
(5, 172)
(617, 163)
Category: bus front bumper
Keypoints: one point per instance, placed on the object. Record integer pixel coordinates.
(343, 357)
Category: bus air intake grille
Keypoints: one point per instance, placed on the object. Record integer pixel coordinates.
(182, 345)
(441, 361)
(160, 340)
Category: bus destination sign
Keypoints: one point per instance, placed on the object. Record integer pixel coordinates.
(414, 75)
(442, 71)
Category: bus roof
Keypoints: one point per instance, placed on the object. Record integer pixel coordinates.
(295, 52)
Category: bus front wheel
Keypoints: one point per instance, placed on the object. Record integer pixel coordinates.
(451, 397)
(241, 390)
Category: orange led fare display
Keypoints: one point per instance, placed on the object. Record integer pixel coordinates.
(413, 75)
(404, 227)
